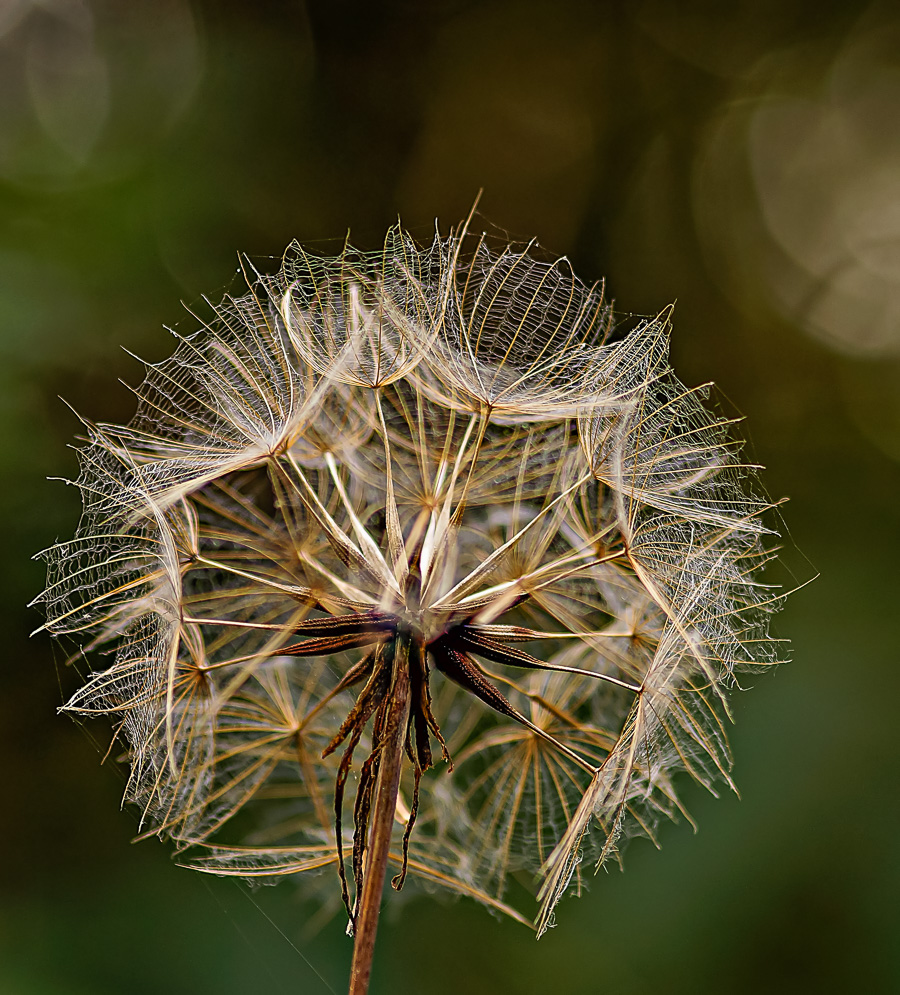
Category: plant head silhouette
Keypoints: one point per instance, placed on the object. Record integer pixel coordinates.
(416, 515)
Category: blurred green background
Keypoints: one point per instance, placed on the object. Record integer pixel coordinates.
(742, 159)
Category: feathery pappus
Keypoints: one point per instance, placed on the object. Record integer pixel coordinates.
(410, 560)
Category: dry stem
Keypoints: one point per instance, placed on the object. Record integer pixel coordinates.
(389, 769)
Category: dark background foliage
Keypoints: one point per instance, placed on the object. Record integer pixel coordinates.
(743, 159)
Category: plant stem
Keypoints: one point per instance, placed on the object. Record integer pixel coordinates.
(389, 768)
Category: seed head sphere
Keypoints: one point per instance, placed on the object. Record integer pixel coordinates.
(413, 553)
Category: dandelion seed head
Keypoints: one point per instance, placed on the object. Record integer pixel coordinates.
(433, 460)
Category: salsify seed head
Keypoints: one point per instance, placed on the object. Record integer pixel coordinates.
(439, 460)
